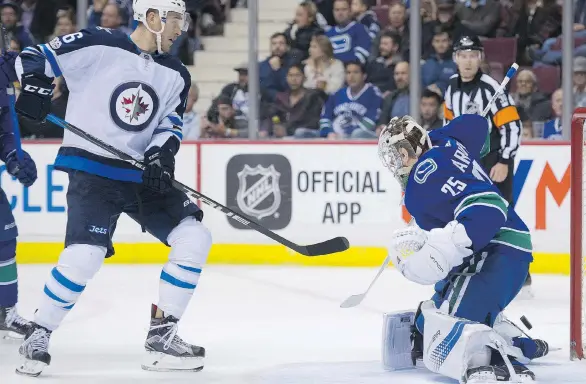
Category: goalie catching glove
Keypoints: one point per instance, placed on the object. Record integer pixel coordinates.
(427, 257)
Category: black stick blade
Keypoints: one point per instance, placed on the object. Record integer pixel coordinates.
(337, 244)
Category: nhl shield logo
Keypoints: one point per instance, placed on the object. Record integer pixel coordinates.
(258, 193)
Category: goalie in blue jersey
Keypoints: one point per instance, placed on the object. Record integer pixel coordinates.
(466, 241)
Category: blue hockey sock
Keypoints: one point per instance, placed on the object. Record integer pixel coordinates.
(8, 274)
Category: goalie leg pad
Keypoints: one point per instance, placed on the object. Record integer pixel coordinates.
(453, 345)
(396, 343)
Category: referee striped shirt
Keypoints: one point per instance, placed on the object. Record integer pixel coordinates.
(503, 119)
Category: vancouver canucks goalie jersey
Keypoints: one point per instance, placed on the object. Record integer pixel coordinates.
(447, 183)
(127, 98)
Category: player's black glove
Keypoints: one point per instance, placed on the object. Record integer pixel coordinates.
(24, 170)
(34, 101)
(159, 170)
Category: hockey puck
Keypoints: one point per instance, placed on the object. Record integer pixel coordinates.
(526, 322)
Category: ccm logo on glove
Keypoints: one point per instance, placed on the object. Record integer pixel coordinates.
(39, 90)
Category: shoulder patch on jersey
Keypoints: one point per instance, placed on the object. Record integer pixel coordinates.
(55, 43)
(424, 170)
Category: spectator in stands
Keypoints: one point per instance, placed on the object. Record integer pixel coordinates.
(322, 70)
(15, 46)
(64, 26)
(226, 123)
(325, 9)
(237, 92)
(380, 71)
(446, 18)
(302, 31)
(107, 15)
(430, 107)
(10, 17)
(273, 71)
(398, 25)
(550, 53)
(440, 66)
(480, 16)
(529, 99)
(39, 17)
(350, 39)
(527, 133)
(352, 111)
(397, 102)
(552, 129)
(296, 111)
(535, 22)
(191, 119)
(362, 13)
(579, 80)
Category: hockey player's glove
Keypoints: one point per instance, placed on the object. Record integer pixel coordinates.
(160, 168)
(427, 257)
(24, 170)
(7, 69)
(35, 98)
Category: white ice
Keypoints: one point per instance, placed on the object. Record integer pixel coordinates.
(261, 325)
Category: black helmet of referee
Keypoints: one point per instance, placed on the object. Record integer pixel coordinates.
(468, 43)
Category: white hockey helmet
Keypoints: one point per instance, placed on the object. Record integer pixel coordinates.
(163, 7)
(402, 139)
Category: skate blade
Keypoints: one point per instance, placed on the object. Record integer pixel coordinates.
(10, 336)
(162, 362)
(30, 368)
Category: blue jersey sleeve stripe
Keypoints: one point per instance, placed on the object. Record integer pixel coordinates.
(175, 120)
(51, 59)
(158, 131)
(32, 61)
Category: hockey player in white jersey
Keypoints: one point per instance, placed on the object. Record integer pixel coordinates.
(469, 244)
(131, 94)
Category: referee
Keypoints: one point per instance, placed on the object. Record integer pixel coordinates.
(469, 91)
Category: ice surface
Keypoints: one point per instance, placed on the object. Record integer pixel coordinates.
(261, 325)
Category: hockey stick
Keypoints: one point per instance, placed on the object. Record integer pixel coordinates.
(355, 300)
(11, 92)
(337, 244)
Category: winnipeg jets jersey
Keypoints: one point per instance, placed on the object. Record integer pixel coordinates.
(344, 112)
(127, 98)
(447, 183)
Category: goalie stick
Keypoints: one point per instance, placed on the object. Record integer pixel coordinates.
(355, 300)
(337, 244)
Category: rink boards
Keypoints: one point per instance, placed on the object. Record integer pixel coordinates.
(305, 191)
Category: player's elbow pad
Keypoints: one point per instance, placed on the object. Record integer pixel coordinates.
(482, 223)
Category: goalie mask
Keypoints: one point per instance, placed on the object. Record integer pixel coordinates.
(400, 144)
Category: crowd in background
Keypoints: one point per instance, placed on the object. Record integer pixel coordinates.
(307, 73)
(304, 68)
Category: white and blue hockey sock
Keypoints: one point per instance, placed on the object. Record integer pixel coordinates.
(77, 265)
(190, 244)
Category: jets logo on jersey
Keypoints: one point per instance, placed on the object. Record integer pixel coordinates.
(424, 169)
(133, 106)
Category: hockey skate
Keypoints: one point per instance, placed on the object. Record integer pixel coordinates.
(493, 374)
(34, 351)
(165, 351)
(12, 325)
